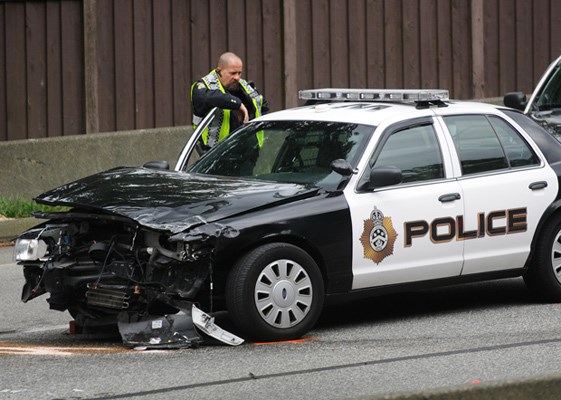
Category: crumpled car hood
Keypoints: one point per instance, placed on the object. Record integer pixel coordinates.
(172, 201)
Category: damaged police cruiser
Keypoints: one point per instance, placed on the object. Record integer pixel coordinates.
(355, 193)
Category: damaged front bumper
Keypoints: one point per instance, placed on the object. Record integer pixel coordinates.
(176, 331)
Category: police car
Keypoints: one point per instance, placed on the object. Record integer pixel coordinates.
(355, 193)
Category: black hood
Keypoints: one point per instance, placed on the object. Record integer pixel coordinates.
(172, 201)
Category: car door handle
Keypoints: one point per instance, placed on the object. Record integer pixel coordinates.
(445, 198)
(538, 185)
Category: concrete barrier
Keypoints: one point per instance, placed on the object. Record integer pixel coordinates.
(30, 167)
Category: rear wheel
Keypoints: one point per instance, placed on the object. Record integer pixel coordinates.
(544, 274)
(275, 292)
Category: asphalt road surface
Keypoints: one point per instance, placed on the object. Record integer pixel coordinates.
(462, 335)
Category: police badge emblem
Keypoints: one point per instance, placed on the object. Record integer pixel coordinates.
(378, 237)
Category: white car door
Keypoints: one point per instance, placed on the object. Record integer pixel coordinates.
(406, 232)
(506, 188)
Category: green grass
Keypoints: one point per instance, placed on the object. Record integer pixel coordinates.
(17, 207)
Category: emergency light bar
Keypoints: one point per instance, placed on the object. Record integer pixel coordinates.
(396, 95)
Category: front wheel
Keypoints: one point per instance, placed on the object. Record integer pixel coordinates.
(544, 274)
(275, 292)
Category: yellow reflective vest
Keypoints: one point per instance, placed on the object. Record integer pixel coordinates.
(220, 126)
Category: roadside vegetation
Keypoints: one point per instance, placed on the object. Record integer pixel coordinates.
(17, 207)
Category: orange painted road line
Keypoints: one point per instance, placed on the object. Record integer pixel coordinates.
(37, 349)
(293, 341)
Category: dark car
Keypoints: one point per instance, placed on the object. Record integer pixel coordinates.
(544, 105)
(357, 193)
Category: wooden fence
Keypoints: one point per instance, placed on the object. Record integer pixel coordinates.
(71, 67)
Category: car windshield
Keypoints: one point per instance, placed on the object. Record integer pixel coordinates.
(287, 151)
(550, 96)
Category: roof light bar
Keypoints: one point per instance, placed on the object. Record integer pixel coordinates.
(395, 95)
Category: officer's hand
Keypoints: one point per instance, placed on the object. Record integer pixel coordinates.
(243, 114)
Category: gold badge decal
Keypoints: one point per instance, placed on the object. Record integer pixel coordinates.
(378, 236)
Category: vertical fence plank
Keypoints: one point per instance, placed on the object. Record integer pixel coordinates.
(218, 26)
(304, 45)
(507, 51)
(143, 64)
(461, 47)
(490, 29)
(72, 68)
(181, 67)
(290, 66)
(16, 110)
(272, 53)
(163, 86)
(429, 38)
(200, 41)
(444, 47)
(541, 44)
(106, 65)
(91, 101)
(375, 40)
(357, 44)
(36, 70)
(524, 49)
(393, 43)
(338, 29)
(124, 68)
(478, 43)
(320, 50)
(411, 44)
(236, 24)
(54, 69)
(555, 25)
(253, 63)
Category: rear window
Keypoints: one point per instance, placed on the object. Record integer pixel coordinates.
(550, 147)
(487, 143)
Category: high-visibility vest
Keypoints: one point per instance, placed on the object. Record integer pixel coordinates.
(219, 128)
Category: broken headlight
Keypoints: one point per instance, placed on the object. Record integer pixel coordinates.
(29, 249)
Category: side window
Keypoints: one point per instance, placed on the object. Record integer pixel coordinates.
(477, 144)
(517, 150)
(488, 143)
(415, 151)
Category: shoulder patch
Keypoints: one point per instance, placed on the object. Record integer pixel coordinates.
(201, 85)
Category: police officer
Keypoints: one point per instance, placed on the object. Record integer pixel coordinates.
(237, 100)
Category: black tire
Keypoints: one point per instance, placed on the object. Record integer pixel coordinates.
(275, 292)
(544, 275)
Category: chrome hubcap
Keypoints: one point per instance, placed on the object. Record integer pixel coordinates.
(556, 256)
(283, 293)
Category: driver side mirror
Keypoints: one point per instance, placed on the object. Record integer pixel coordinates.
(383, 176)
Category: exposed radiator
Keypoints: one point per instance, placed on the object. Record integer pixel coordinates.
(108, 298)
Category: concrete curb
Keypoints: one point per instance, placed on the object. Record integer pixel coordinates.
(11, 228)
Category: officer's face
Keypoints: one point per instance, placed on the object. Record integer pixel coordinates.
(230, 75)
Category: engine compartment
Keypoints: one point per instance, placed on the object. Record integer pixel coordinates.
(98, 266)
